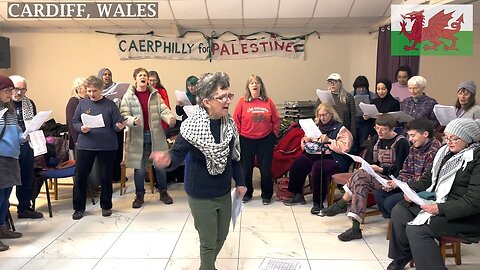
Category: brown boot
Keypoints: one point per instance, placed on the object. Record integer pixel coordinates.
(5, 232)
(139, 200)
(3, 247)
(165, 197)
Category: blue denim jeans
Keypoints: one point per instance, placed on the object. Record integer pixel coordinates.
(4, 203)
(139, 174)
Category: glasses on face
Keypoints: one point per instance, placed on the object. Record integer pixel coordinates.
(152, 81)
(381, 129)
(323, 114)
(225, 98)
(451, 139)
(8, 90)
(17, 89)
(332, 82)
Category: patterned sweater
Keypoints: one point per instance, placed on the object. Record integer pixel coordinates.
(419, 161)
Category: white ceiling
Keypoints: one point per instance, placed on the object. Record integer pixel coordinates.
(238, 16)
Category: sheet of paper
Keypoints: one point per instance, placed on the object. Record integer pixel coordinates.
(92, 121)
(401, 116)
(310, 128)
(368, 168)
(444, 114)
(36, 122)
(280, 264)
(2, 112)
(369, 109)
(237, 206)
(189, 109)
(116, 92)
(411, 194)
(325, 96)
(182, 98)
(38, 143)
(365, 99)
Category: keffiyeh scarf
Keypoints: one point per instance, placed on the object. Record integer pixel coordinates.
(27, 109)
(196, 130)
(443, 178)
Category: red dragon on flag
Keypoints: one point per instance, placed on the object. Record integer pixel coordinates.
(437, 28)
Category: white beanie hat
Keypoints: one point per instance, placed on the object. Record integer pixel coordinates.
(466, 129)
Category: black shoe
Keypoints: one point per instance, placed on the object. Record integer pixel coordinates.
(350, 235)
(106, 212)
(247, 198)
(332, 210)
(77, 215)
(30, 213)
(316, 209)
(266, 201)
(165, 197)
(398, 264)
(297, 199)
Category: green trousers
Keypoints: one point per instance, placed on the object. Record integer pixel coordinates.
(212, 220)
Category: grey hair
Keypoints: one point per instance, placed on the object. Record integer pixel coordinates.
(94, 81)
(208, 84)
(18, 79)
(418, 81)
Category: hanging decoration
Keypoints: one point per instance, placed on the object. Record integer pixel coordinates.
(213, 47)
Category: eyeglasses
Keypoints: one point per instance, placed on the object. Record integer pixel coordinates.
(382, 129)
(225, 98)
(323, 114)
(332, 82)
(451, 140)
(16, 89)
(8, 90)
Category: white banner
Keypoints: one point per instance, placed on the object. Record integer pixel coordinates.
(265, 47)
(148, 47)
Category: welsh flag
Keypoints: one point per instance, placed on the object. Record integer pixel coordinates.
(431, 29)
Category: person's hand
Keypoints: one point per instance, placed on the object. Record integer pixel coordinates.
(171, 122)
(241, 190)
(161, 159)
(430, 208)
(306, 139)
(323, 138)
(120, 125)
(406, 198)
(366, 117)
(137, 121)
(85, 129)
(377, 168)
(178, 103)
(391, 186)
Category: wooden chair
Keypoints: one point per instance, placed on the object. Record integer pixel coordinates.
(123, 178)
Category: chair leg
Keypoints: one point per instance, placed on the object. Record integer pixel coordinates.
(331, 193)
(152, 179)
(443, 249)
(389, 227)
(10, 221)
(457, 253)
(123, 176)
(49, 203)
(55, 188)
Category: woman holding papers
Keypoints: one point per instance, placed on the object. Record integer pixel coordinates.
(361, 93)
(154, 81)
(337, 140)
(389, 152)
(465, 104)
(10, 140)
(385, 102)
(257, 122)
(210, 137)
(144, 109)
(419, 104)
(95, 143)
(454, 207)
(191, 91)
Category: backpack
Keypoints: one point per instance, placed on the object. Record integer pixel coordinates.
(281, 189)
(287, 150)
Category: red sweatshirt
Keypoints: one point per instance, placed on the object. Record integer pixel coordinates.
(257, 118)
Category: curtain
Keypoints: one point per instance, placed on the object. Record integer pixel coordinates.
(386, 63)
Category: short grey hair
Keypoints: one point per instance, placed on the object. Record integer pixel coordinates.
(18, 79)
(418, 81)
(94, 81)
(208, 84)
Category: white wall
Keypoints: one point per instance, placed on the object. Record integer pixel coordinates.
(50, 62)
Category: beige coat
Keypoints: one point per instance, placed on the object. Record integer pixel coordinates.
(130, 109)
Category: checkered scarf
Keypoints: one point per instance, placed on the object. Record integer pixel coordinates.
(196, 130)
(27, 109)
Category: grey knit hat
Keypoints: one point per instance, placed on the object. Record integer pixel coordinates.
(466, 129)
(470, 86)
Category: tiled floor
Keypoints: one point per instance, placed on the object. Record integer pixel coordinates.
(159, 236)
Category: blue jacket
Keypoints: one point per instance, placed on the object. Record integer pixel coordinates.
(12, 138)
